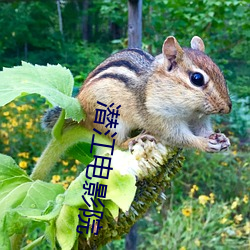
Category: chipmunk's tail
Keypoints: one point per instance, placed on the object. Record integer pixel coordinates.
(50, 117)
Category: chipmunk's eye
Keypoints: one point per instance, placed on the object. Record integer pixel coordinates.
(197, 79)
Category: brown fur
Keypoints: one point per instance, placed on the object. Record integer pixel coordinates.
(156, 94)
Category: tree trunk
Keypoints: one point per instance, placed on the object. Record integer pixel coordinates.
(134, 41)
(85, 20)
(135, 23)
(59, 16)
(131, 238)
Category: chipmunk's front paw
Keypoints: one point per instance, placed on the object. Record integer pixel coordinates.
(141, 139)
(218, 142)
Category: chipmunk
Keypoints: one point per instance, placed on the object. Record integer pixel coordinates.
(170, 97)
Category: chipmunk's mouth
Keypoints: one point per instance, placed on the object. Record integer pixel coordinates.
(208, 110)
(224, 108)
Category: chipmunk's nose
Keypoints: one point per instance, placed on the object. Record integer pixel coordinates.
(227, 108)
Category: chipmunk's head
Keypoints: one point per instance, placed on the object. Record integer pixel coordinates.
(197, 75)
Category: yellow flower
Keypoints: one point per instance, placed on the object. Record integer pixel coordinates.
(77, 162)
(23, 107)
(19, 108)
(4, 134)
(29, 124)
(65, 185)
(247, 227)
(193, 190)
(23, 164)
(65, 163)
(70, 178)
(20, 154)
(55, 178)
(73, 168)
(225, 164)
(235, 203)
(238, 218)
(234, 152)
(245, 199)
(223, 235)
(238, 159)
(6, 149)
(6, 113)
(223, 220)
(14, 123)
(12, 105)
(225, 207)
(182, 248)
(24, 154)
(35, 159)
(187, 211)
(203, 199)
(6, 141)
(211, 195)
(197, 242)
(238, 233)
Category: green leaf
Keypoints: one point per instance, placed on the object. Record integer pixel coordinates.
(20, 198)
(45, 216)
(66, 224)
(14, 223)
(39, 194)
(50, 234)
(4, 240)
(73, 195)
(27, 200)
(49, 215)
(14, 198)
(33, 201)
(83, 147)
(81, 152)
(121, 189)
(34, 243)
(9, 168)
(8, 219)
(112, 207)
(53, 82)
(6, 186)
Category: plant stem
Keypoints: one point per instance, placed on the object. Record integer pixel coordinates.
(16, 240)
(52, 153)
(57, 147)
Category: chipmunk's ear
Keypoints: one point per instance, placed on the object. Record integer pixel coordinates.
(171, 49)
(197, 43)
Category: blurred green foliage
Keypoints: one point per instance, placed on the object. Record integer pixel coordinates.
(30, 31)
